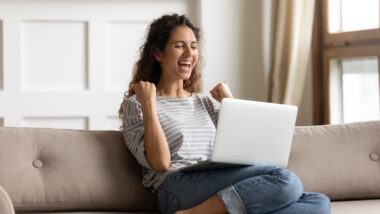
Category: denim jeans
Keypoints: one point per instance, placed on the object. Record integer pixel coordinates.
(248, 189)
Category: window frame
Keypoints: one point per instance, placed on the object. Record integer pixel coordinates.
(327, 46)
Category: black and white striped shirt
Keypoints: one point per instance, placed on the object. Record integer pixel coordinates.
(189, 125)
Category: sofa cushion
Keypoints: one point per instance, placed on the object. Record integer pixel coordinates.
(355, 207)
(342, 161)
(55, 169)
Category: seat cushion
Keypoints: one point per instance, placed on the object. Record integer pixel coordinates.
(355, 207)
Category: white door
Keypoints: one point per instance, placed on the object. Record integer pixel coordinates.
(66, 64)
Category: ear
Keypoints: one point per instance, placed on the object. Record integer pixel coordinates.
(157, 55)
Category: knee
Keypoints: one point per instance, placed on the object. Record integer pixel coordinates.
(321, 202)
(288, 179)
(289, 185)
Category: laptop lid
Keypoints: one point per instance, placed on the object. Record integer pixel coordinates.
(251, 132)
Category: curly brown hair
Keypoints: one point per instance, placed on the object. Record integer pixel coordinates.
(147, 67)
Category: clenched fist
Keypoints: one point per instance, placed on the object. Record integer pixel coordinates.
(221, 91)
(145, 92)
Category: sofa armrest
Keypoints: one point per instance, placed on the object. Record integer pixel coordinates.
(6, 206)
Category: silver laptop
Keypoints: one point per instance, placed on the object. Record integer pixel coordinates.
(250, 133)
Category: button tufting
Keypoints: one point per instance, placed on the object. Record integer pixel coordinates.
(37, 163)
(373, 156)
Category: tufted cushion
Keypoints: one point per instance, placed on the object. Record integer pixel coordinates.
(53, 169)
(339, 160)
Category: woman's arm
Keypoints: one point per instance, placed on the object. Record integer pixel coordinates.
(156, 147)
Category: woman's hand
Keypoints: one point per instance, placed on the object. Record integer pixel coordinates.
(145, 92)
(221, 91)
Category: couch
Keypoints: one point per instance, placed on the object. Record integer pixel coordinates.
(59, 171)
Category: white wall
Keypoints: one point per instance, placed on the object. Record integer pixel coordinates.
(233, 35)
(238, 46)
(84, 90)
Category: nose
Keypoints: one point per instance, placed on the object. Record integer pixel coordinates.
(188, 51)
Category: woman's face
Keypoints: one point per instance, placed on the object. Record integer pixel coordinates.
(180, 54)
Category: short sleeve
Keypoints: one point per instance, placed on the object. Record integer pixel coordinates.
(213, 108)
(133, 131)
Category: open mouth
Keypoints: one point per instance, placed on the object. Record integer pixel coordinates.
(184, 64)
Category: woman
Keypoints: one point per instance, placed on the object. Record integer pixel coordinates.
(167, 124)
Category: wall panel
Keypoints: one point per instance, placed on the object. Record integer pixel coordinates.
(122, 53)
(54, 55)
(66, 64)
(113, 123)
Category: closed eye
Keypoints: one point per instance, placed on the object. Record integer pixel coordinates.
(181, 44)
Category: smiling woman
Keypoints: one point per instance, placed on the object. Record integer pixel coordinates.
(168, 125)
(179, 56)
(148, 68)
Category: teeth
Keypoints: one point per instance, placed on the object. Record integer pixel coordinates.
(185, 63)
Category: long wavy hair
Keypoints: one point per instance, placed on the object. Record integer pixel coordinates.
(147, 67)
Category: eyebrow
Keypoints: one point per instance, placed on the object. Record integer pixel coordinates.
(180, 41)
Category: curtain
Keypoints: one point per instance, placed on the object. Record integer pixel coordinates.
(291, 54)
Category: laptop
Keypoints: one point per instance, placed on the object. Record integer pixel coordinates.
(251, 133)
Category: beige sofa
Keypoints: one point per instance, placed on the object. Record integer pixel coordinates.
(83, 172)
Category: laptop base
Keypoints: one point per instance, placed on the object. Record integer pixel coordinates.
(209, 165)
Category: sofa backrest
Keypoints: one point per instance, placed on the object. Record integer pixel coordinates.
(55, 169)
(342, 161)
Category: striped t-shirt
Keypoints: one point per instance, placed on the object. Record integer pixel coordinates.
(189, 125)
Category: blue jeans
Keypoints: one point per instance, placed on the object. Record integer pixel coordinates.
(248, 189)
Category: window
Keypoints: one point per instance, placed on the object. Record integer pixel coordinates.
(346, 61)
(352, 15)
